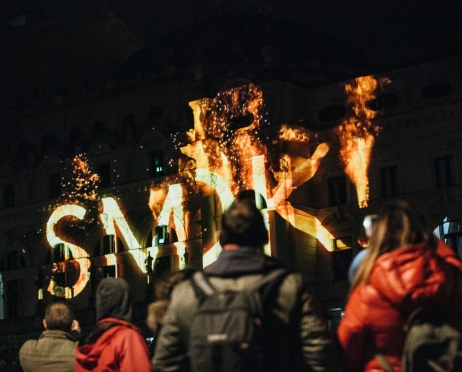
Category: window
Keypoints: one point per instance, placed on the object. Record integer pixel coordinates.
(450, 231)
(108, 244)
(12, 299)
(389, 181)
(342, 257)
(161, 235)
(109, 271)
(8, 195)
(104, 173)
(149, 242)
(259, 200)
(157, 163)
(61, 253)
(337, 191)
(12, 261)
(444, 171)
(54, 185)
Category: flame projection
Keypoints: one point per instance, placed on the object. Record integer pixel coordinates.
(237, 159)
(223, 141)
(78, 196)
(226, 155)
(357, 138)
(297, 165)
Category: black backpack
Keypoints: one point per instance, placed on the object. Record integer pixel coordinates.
(227, 331)
(431, 345)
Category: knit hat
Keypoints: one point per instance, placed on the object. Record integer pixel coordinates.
(113, 299)
(243, 224)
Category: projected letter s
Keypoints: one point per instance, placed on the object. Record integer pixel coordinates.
(80, 256)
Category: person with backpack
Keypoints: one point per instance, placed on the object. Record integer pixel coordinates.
(244, 312)
(115, 344)
(405, 270)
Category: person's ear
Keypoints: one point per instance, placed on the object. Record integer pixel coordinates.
(75, 327)
(44, 322)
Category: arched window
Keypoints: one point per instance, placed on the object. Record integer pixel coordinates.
(259, 200)
(13, 260)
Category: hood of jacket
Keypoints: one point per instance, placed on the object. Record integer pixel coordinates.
(113, 299)
(416, 275)
(242, 261)
(88, 355)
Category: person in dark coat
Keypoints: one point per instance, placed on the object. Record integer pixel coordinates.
(299, 337)
(115, 344)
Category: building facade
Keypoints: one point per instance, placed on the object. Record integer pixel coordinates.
(132, 181)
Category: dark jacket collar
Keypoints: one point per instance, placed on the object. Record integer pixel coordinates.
(242, 261)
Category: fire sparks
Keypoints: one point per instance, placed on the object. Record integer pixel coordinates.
(357, 138)
(83, 183)
(225, 134)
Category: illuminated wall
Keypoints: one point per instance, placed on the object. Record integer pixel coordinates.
(226, 156)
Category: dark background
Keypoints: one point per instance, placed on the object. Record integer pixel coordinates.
(384, 32)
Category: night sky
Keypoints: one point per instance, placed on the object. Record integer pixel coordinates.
(384, 31)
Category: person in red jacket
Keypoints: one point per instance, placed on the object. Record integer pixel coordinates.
(115, 344)
(406, 267)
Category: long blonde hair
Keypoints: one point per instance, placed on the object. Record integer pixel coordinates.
(397, 225)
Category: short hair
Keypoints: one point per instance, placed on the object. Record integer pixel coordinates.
(243, 224)
(59, 316)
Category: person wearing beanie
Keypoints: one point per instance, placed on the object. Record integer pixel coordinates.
(297, 333)
(115, 344)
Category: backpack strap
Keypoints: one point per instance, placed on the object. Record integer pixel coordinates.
(271, 282)
(203, 287)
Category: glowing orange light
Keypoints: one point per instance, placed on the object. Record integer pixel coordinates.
(357, 138)
(297, 165)
(84, 183)
(220, 147)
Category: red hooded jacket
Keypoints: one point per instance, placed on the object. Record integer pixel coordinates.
(400, 281)
(120, 349)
